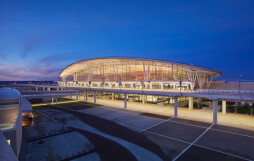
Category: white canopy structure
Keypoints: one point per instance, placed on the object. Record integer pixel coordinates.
(136, 70)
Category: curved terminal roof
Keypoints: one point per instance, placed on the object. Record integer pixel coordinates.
(89, 63)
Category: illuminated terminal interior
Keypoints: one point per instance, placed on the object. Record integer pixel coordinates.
(136, 74)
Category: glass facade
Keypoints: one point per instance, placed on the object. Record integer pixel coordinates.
(106, 70)
(126, 70)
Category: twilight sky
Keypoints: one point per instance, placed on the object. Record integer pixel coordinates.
(39, 38)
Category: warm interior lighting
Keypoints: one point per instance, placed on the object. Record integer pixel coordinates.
(44, 104)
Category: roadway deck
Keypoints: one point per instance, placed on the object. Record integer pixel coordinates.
(179, 139)
(233, 120)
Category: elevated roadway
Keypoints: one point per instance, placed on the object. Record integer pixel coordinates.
(215, 96)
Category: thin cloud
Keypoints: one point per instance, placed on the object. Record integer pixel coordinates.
(36, 41)
(27, 73)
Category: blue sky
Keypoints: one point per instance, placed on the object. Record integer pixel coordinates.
(39, 38)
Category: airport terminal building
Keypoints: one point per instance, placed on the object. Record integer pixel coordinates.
(136, 74)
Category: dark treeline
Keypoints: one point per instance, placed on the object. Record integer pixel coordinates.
(28, 82)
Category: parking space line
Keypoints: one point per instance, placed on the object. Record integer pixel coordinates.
(122, 110)
(122, 118)
(130, 126)
(168, 137)
(192, 143)
(170, 121)
(233, 133)
(112, 109)
(125, 111)
(188, 124)
(109, 111)
(201, 146)
(138, 114)
(233, 155)
(151, 117)
(155, 125)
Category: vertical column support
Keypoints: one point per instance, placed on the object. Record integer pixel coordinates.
(224, 107)
(86, 93)
(125, 100)
(56, 100)
(170, 100)
(143, 99)
(113, 95)
(94, 96)
(175, 106)
(52, 99)
(36, 88)
(215, 107)
(190, 103)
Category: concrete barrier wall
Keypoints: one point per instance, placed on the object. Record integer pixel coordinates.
(15, 135)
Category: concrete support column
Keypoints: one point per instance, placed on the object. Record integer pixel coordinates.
(56, 100)
(94, 96)
(215, 107)
(52, 99)
(113, 96)
(143, 99)
(190, 103)
(76, 97)
(86, 93)
(57, 89)
(125, 100)
(175, 106)
(36, 88)
(43, 88)
(48, 88)
(170, 100)
(224, 107)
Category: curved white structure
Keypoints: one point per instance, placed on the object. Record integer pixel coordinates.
(136, 73)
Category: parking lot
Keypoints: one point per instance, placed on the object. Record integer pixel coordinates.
(182, 139)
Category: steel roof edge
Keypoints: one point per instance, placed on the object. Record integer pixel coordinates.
(139, 58)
